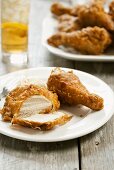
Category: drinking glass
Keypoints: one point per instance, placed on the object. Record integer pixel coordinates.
(14, 31)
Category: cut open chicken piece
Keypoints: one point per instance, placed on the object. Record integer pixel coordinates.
(41, 121)
(36, 104)
(29, 98)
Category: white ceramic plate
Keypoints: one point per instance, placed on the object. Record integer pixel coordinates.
(77, 126)
(49, 28)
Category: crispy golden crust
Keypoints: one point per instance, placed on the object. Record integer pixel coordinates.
(42, 126)
(68, 23)
(90, 40)
(111, 9)
(68, 26)
(17, 96)
(71, 91)
(58, 9)
(99, 3)
(66, 17)
(94, 15)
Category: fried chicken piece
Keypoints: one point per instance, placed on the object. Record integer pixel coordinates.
(111, 9)
(94, 15)
(68, 23)
(69, 26)
(74, 11)
(59, 9)
(42, 121)
(71, 91)
(90, 40)
(29, 95)
(66, 17)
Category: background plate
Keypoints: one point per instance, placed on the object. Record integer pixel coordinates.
(49, 28)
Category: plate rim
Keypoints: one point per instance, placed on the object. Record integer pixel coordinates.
(72, 136)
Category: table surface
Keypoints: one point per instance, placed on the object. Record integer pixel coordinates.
(91, 152)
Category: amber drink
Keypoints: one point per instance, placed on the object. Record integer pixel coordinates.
(14, 31)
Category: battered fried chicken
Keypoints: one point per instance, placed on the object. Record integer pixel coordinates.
(66, 17)
(59, 9)
(71, 91)
(29, 95)
(111, 9)
(68, 23)
(90, 40)
(94, 15)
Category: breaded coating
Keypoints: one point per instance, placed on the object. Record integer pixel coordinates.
(90, 40)
(111, 9)
(20, 94)
(89, 3)
(71, 91)
(68, 23)
(59, 9)
(66, 17)
(94, 15)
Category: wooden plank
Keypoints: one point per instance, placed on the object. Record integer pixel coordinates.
(97, 148)
(17, 154)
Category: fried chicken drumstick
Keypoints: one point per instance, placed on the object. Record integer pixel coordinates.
(90, 40)
(94, 15)
(71, 91)
(59, 9)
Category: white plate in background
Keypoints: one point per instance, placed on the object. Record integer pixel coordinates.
(50, 27)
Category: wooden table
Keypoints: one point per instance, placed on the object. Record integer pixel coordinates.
(92, 152)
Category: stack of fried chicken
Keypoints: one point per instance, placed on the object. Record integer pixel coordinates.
(86, 28)
(37, 107)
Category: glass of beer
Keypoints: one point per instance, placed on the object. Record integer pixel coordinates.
(14, 31)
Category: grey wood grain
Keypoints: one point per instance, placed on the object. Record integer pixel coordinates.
(97, 148)
(17, 154)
